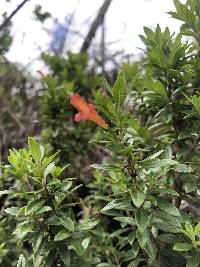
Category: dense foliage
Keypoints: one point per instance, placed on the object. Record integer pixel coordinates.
(141, 206)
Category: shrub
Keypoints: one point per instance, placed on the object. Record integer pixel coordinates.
(47, 229)
(153, 172)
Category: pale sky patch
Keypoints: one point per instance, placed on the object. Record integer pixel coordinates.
(124, 21)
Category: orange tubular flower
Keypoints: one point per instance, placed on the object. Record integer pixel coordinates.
(86, 110)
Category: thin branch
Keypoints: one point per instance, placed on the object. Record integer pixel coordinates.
(8, 19)
(96, 23)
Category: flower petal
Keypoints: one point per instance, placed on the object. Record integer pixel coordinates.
(81, 116)
(78, 117)
(92, 107)
(98, 120)
(79, 103)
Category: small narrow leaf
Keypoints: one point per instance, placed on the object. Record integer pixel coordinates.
(62, 235)
(182, 247)
(168, 207)
(107, 86)
(143, 237)
(44, 209)
(33, 206)
(197, 229)
(119, 89)
(117, 204)
(138, 197)
(85, 242)
(126, 220)
(35, 149)
(49, 169)
(141, 220)
(87, 224)
(12, 211)
(182, 168)
(67, 223)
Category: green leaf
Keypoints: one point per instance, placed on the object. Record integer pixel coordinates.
(141, 220)
(67, 223)
(135, 249)
(182, 247)
(36, 151)
(168, 152)
(131, 238)
(44, 209)
(150, 158)
(64, 221)
(182, 168)
(151, 249)
(138, 197)
(56, 172)
(195, 100)
(13, 160)
(65, 255)
(62, 235)
(119, 232)
(143, 237)
(24, 228)
(189, 230)
(21, 211)
(47, 160)
(49, 169)
(85, 242)
(167, 222)
(126, 220)
(87, 224)
(168, 207)
(107, 86)
(50, 258)
(197, 229)
(65, 186)
(166, 238)
(180, 8)
(117, 204)
(34, 205)
(78, 247)
(37, 240)
(12, 211)
(167, 191)
(119, 89)
(164, 163)
(21, 261)
(190, 186)
(54, 220)
(193, 261)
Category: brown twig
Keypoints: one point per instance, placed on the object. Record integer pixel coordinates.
(8, 19)
(98, 21)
